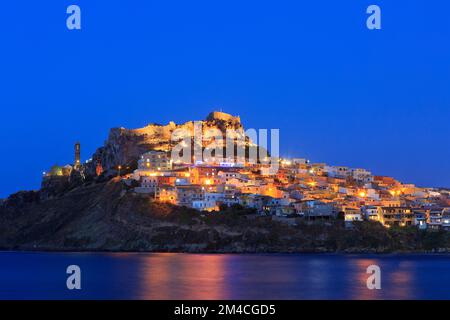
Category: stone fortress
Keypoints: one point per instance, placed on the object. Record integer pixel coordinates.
(218, 115)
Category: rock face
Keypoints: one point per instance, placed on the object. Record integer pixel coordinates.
(54, 186)
(125, 146)
(106, 216)
(21, 199)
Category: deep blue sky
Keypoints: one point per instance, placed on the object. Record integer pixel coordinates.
(339, 93)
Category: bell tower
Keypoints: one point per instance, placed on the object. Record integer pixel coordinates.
(77, 163)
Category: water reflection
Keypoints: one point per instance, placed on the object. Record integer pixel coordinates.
(179, 276)
(204, 276)
(358, 281)
(400, 281)
(274, 277)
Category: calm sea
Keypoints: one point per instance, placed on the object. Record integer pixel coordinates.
(213, 276)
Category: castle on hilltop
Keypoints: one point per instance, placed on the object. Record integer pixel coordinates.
(219, 115)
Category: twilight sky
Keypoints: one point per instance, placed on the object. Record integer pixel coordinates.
(338, 92)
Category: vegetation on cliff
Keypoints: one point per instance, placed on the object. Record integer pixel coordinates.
(106, 216)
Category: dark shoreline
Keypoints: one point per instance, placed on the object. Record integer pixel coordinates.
(106, 217)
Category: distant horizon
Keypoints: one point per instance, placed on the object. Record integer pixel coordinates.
(339, 92)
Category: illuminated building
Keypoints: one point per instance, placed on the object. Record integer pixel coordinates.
(155, 160)
(396, 216)
(166, 194)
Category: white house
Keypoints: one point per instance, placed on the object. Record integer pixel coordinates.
(204, 205)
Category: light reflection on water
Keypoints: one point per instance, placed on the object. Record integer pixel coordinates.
(209, 276)
(175, 276)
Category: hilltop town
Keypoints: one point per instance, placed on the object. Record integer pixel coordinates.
(299, 189)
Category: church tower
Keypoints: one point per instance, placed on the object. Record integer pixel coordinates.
(77, 163)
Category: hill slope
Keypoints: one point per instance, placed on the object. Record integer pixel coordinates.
(108, 217)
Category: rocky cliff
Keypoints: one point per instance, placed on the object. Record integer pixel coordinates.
(107, 216)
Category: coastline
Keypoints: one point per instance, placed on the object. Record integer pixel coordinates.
(106, 217)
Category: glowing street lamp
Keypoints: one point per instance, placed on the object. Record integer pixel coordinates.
(312, 183)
